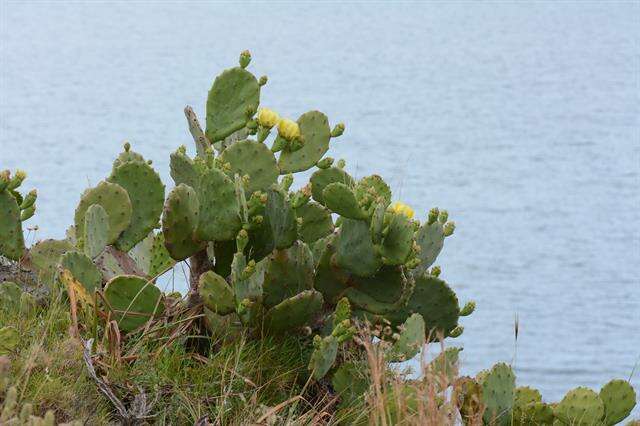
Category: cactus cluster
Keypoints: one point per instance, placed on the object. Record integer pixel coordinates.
(15, 208)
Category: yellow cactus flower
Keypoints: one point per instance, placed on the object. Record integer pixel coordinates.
(401, 208)
(267, 118)
(288, 129)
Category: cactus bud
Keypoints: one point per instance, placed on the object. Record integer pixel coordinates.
(325, 163)
(468, 308)
(252, 124)
(182, 149)
(29, 200)
(286, 181)
(341, 163)
(316, 341)
(257, 219)
(17, 180)
(436, 271)
(295, 144)
(249, 111)
(5, 176)
(433, 215)
(300, 198)
(278, 144)
(288, 129)
(338, 130)
(263, 80)
(127, 146)
(449, 227)
(456, 332)
(443, 216)
(245, 59)
(241, 240)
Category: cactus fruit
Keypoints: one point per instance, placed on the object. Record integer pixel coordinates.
(321, 178)
(323, 355)
(411, 339)
(146, 194)
(498, 390)
(619, 399)
(219, 218)
(316, 222)
(580, 406)
(216, 294)
(115, 201)
(468, 308)
(179, 222)
(253, 159)
(83, 270)
(96, 230)
(11, 237)
(232, 101)
(133, 301)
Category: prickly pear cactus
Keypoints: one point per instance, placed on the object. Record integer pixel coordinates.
(14, 209)
(619, 399)
(498, 391)
(580, 406)
(96, 230)
(133, 301)
(410, 339)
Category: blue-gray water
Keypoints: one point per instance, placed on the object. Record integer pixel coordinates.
(521, 119)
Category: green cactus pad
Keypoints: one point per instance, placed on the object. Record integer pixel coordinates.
(410, 341)
(223, 251)
(355, 251)
(10, 294)
(323, 356)
(430, 238)
(9, 340)
(179, 221)
(340, 199)
(254, 159)
(436, 302)
(219, 210)
(323, 177)
(281, 218)
(133, 301)
(316, 222)
(523, 405)
(294, 312)
(329, 278)
(45, 256)
(467, 394)
(387, 286)
(372, 190)
(498, 389)
(11, 237)
(233, 98)
(316, 134)
(580, 406)
(247, 287)
(83, 270)
(350, 383)
(287, 273)
(216, 293)
(183, 169)
(398, 241)
(444, 367)
(96, 230)
(115, 201)
(619, 398)
(146, 193)
(151, 255)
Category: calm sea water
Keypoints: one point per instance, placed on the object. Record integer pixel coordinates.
(521, 119)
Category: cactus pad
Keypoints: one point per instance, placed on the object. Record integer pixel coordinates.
(355, 251)
(133, 301)
(115, 201)
(281, 218)
(323, 177)
(287, 273)
(183, 169)
(254, 159)
(294, 312)
(323, 356)
(146, 193)
(316, 134)
(219, 210)
(83, 270)
(233, 99)
(398, 240)
(45, 256)
(430, 238)
(498, 388)
(340, 199)
(411, 339)
(179, 221)
(372, 190)
(580, 406)
(619, 398)
(11, 237)
(96, 230)
(316, 222)
(216, 293)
